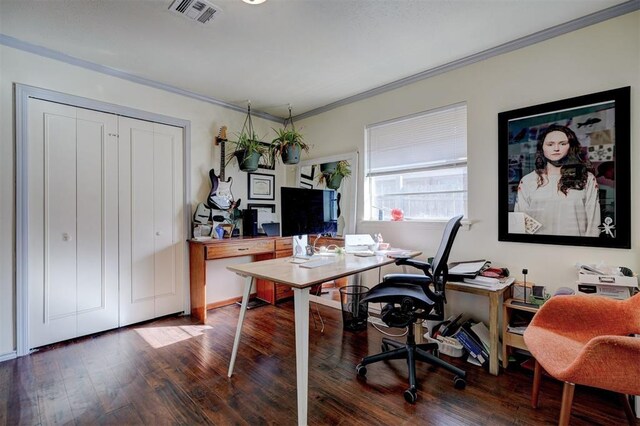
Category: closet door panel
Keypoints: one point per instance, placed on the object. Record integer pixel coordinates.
(168, 214)
(51, 244)
(97, 221)
(137, 258)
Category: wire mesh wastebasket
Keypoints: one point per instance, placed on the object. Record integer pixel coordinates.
(354, 311)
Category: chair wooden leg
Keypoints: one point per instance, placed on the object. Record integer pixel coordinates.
(631, 418)
(567, 401)
(537, 377)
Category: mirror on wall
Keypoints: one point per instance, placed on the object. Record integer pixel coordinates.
(337, 172)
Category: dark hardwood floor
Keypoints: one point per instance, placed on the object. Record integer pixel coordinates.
(172, 371)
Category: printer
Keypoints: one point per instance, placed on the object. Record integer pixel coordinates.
(606, 281)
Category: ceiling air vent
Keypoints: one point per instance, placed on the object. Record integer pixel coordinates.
(196, 10)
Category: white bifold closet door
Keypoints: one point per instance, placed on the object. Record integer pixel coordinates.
(106, 233)
(152, 236)
(72, 271)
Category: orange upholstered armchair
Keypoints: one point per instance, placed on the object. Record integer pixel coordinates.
(585, 340)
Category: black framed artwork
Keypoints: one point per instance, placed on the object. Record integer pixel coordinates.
(564, 172)
(267, 210)
(261, 186)
(266, 161)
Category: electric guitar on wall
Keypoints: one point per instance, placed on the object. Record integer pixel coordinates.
(220, 196)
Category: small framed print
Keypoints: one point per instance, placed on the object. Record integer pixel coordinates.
(564, 172)
(261, 186)
(266, 214)
(308, 172)
(266, 161)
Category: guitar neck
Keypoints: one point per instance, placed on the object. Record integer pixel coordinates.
(222, 158)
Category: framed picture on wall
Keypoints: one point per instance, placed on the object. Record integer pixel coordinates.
(266, 213)
(266, 161)
(261, 186)
(564, 172)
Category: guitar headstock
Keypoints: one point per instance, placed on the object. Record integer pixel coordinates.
(222, 135)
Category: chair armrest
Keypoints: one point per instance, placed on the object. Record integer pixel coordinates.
(423, 266)
(421, 280)
(580, 314)
(609, 362)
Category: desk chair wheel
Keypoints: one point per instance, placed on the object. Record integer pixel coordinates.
(361, 370)
(459, 382)
(411, 396)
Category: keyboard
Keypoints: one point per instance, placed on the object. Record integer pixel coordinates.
(317, 262)
(363, 253)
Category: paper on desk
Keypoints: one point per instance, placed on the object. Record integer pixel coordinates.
(465, 268)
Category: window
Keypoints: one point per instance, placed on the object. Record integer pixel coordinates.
(417, 164)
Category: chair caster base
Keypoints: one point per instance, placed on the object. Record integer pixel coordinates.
(459, 382)
(411, 396)
(361, 370)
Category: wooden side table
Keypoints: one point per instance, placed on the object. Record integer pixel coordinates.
(509, 339)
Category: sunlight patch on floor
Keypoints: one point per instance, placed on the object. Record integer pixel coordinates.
(159, 337)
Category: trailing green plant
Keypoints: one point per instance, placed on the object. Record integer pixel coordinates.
(247, 144)
(343, 170)
(287, 138)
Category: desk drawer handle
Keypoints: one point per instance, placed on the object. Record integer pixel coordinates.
(243, 249)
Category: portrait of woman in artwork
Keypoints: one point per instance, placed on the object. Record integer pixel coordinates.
(561, 193)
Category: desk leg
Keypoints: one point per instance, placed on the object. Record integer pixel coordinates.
(494, 336)
(301, 306)
(248, 281)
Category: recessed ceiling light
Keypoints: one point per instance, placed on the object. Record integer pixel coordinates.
(254, 1)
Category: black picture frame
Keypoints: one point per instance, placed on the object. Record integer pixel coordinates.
(601, 123)
(308, 172)
(261, 186)
(271, 208)
(266, 161)
(306, 185)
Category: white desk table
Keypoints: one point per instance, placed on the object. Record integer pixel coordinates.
(283, 271)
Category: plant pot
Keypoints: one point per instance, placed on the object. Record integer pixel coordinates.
(329, 168)
(248, 163)
(334, 182)
(291, 154)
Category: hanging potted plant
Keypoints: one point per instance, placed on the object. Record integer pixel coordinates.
(333, 180)
(248, 151)
(248, 148)
(288, 144)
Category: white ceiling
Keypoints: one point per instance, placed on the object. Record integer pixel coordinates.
(309, 53)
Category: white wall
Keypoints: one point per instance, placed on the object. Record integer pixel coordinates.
(597, 58)
(601, 57)
(20, 67)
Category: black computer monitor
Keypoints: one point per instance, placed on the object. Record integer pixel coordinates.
(308, 211)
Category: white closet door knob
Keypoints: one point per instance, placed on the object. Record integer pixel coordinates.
(66, 237)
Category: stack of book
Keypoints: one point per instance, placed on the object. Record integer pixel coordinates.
(473, 344)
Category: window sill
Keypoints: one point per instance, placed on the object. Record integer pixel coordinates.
(464, 225)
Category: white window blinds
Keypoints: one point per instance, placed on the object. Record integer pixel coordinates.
(424, 141)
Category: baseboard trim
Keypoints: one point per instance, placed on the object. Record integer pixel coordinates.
(227, 302)
(8, 356)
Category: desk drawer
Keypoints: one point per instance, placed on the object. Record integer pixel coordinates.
(239, 248)
(284, 244)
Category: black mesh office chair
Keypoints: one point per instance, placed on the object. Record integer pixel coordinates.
(411, 298)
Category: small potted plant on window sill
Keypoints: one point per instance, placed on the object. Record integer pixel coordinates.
(288, 145)
(333, 180)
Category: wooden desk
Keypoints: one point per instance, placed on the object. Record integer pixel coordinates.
(261, 248)
(494, 327)
(300, 280)
(258, 247)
